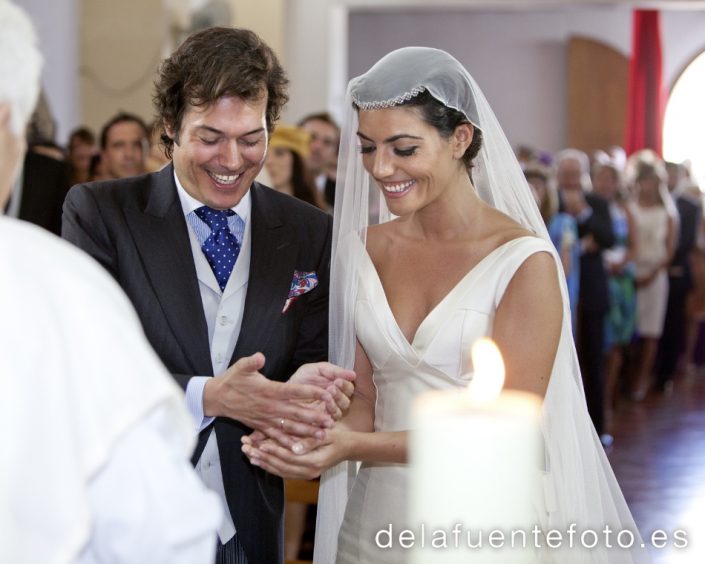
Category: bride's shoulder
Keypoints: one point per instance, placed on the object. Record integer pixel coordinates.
(379, 236)
(505, 228)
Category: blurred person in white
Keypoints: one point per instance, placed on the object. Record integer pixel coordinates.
(94, 465)
(656, 228)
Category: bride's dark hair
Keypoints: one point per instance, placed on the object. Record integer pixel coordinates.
(445, 120)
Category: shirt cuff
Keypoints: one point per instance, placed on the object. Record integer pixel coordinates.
(194, 402)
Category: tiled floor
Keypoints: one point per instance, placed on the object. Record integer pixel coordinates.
(659, 459)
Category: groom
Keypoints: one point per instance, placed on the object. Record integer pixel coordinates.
(219, 268)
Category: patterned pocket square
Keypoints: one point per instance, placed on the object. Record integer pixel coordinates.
(301, 283)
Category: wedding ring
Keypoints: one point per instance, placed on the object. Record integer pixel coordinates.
(281, 424)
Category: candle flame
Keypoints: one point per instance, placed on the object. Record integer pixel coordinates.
(488, 377)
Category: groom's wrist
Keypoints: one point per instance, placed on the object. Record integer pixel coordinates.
(211, 403)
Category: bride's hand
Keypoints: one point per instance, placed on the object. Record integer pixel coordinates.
(338, 382)
(304, 460)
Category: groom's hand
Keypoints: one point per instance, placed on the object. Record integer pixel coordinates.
(295, 407)
(335, 380)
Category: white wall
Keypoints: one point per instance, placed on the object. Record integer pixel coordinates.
(517, 56)
(56, 22)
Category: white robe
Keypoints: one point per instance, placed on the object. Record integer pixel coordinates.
(94, 433)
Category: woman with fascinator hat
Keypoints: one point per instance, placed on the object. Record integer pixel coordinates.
(458, 251)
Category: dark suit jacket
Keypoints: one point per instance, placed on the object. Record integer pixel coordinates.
(690, 213)
(45, 182)
(136, 229)
(594, 295)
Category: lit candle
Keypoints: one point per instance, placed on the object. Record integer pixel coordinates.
(474, 457)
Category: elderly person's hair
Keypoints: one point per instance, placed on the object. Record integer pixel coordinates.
(122, 117)
(214, 63)
(582, 159)
(20, 65)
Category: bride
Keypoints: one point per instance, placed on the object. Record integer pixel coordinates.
(455, 249)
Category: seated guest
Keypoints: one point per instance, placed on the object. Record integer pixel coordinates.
(94, 453)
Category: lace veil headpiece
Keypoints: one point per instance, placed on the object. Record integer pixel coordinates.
(579, 483)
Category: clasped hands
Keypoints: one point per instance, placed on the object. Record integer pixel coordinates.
(290, 418)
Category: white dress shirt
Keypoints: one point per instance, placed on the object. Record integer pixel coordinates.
(223, 311)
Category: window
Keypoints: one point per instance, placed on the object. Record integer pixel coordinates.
(684, 122)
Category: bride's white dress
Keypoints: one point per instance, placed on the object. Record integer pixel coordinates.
(437, 358)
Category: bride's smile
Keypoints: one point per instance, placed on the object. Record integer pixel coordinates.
(409, 160)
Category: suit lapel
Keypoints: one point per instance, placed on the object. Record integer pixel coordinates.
(161, 235)
(272, 263)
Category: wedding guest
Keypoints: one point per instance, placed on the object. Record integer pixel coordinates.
(323, 152)
(288, 150)
(655, 228)
(81, 148)
(620, 321)
(680, 276)
(123, 146)
(595, 232)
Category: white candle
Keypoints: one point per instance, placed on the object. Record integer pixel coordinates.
(474, 457)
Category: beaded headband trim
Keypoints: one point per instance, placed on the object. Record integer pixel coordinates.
(389, 103)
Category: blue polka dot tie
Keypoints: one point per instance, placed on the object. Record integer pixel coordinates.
(221, 247)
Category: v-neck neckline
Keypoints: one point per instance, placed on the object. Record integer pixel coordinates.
(435, 311)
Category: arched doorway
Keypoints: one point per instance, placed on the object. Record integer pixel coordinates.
(684, 121)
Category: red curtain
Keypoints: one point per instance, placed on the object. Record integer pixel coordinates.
(646, 102)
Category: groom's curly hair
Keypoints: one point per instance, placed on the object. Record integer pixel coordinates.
(445, 120)
(217, 62)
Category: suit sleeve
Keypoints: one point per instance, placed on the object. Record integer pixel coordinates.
(312, 342)
(83, 225)
(599, 224)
